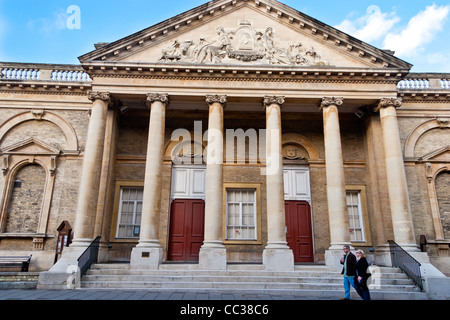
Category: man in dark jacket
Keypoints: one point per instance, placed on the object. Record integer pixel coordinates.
(349, 270)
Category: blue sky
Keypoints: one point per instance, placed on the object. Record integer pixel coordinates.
(37, 30)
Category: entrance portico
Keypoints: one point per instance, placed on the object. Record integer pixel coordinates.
(248, 76)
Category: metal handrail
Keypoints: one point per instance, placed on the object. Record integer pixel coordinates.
(89, 256)
(403, 260)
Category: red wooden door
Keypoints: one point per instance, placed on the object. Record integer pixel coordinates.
(299, 230)
(186, 231)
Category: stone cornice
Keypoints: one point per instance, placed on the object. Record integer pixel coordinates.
(44, 87)
(250, 73)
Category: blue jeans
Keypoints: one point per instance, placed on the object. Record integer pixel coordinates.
(348, 281)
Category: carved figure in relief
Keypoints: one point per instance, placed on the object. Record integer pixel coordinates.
(244, 44)
(274, 54)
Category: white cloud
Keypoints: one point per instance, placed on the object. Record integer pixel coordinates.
(420, 30)
(370, 27)
(49, 25)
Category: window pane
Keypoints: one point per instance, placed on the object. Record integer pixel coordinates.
(354, 216)
(130, 212)
(241, 214)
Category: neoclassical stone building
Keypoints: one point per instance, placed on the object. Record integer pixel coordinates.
(241, 131)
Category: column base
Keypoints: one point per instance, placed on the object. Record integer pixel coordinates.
(382, 255)
(278, 258)
(146, 258)
(213, 257)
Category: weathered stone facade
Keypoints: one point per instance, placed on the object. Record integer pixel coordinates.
(349, 115)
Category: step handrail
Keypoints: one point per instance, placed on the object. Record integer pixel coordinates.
(89, 256)
(403, 260)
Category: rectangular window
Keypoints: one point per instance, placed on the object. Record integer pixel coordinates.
(130, 210)
(355, 218)
(241, 214)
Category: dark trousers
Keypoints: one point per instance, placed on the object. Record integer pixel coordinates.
(362, 289)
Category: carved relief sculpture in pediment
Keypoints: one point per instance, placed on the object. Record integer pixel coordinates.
(242, 45)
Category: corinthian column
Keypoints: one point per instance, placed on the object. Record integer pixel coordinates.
(336, 194)
(90, 173)
(396, 176)
(148, 253)
(213, 253)
(277, 255)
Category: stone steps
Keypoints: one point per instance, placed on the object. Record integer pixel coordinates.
(320, 281)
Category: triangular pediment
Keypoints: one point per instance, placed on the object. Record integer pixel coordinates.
(244, 32)
(440, 155)
(30, 146)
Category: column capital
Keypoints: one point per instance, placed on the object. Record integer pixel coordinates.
(97, 95)
(157, 97)
(268, 100)
(388, 102)
(216, 98)
(328, 101)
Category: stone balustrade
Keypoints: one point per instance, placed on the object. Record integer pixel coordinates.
(43, 72)
(425, 81)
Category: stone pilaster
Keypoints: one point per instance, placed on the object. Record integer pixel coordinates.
(148, 253)
(277, 255)
(396, 176)
(336, 194)
(213, 253)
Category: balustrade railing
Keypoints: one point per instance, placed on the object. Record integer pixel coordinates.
(425, 81)
(46, 72)
(403, 260)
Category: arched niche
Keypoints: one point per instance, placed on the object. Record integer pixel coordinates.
(42, 115)
(298, 147)
(413, 138)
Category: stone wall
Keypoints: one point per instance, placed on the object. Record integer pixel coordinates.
(443, 195)
(26, 200)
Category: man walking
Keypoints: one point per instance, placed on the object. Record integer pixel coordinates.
(349, 270)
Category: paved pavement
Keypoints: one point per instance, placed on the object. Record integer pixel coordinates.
(193, 304)
(18, 294)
